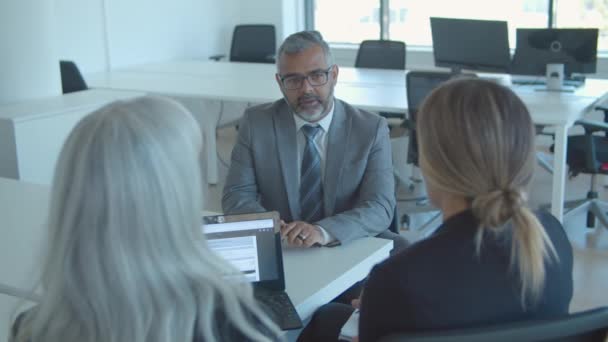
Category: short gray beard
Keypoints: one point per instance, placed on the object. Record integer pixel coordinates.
(312, 118)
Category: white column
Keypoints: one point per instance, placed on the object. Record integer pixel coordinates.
(29, 66)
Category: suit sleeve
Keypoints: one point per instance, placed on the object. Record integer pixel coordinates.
(240, 193)
(373, 210)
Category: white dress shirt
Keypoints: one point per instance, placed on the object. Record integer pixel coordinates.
(321, 146)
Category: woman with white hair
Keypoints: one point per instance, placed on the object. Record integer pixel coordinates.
(126, 258)
(492, 260)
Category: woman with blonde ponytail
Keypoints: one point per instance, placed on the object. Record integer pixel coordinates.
(492, 260)
(126, 260)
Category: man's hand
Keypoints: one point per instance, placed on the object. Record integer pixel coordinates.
(301, 234)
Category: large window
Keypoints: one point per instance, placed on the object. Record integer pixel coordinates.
(409, 19)
(348, 21)
(584, 13)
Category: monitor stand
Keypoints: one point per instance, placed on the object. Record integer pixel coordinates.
(456, 71)
(555, 78)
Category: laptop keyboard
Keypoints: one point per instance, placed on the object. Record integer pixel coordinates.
(280, 308)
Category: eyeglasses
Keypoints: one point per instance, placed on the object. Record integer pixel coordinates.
(315, 79)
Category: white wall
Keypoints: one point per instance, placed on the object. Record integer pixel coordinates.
(80, 33)
(27, 54)
(101, 34)
(141, 31)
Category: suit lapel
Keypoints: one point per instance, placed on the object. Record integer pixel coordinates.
(337, 142)
(285, 131)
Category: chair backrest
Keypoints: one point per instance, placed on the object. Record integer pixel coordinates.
(253, 43)
(71, 79)
(418, 84)
(591, 325)
(381, 54)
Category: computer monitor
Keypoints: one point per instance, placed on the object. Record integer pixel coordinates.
(575, 48)
(471, 44)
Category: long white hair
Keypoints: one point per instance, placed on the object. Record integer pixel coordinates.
(126, 258)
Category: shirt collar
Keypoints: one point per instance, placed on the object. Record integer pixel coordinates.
(324, 123)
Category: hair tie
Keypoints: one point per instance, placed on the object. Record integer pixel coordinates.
(496, 207)
(515, 198)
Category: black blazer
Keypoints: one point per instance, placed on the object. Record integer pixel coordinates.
(440, 283)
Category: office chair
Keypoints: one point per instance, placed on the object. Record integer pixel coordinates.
(252, 43)
(394, 226)
(540, 156)
(382, 54)
(418, 84)
(588, 154)
(591, 325)
(71, 79)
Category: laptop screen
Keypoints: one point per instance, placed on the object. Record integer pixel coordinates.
(251, 243)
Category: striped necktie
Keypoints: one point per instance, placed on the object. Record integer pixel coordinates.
(311, 189)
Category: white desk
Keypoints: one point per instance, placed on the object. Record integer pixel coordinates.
(241, 82)
(32, 132)
(371, 89)
(313, 276)
(23, 210)
(561, 110)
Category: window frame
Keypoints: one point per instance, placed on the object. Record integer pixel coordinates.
(309, 12)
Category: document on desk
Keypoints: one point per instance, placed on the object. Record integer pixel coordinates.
(350, 329)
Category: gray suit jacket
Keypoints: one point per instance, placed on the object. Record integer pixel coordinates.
(358, 189)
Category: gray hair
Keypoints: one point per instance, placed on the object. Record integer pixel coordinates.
(126, 258)
(304, 40)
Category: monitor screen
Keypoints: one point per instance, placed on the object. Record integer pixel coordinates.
(535, 48)
(249, 242)
(471, 44)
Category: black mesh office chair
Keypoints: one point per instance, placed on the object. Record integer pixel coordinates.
(588, 154)
(252, 43)
(71, 79)
(588, 326)
(381, 54)
(418, 84)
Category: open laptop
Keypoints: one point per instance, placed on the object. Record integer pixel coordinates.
(252, 243)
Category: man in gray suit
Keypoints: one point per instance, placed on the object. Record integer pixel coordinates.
(323, 165)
